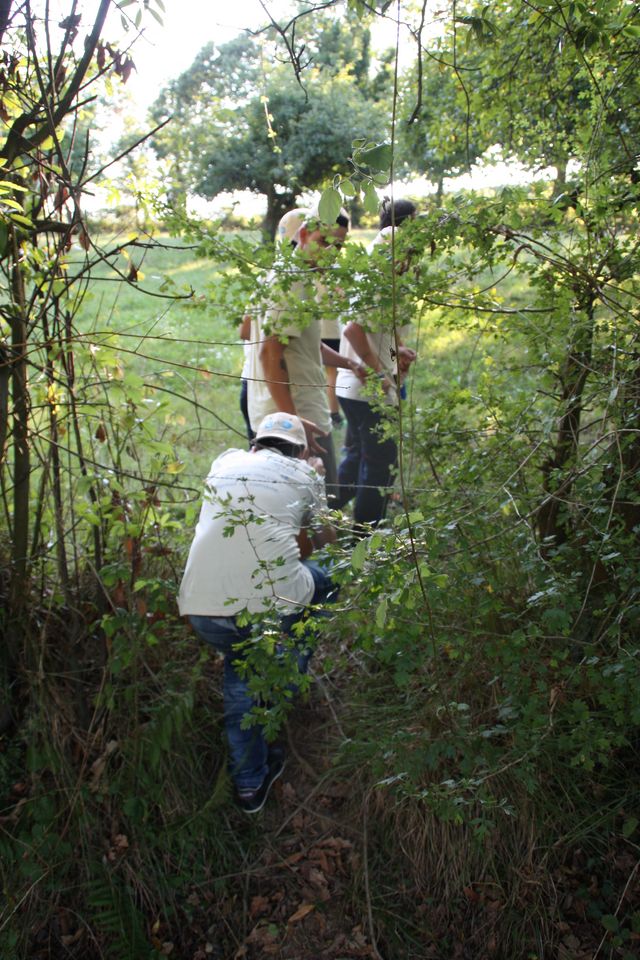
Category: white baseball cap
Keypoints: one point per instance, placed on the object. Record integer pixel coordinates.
(290, 224)
(283, 426)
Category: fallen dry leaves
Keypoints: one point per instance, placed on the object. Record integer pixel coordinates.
(302, 911)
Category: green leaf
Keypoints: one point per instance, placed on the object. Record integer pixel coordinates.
(135, 808)
(348, 189)
(359, 555)
(629, 827)
(377, 158)
(20, 219)
(371, 201)
(609, 922)
(381, 614)
(329, 206)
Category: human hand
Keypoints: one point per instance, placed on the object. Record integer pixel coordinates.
(317, 465)
(406, 356)
(360, 370)
(312, 431)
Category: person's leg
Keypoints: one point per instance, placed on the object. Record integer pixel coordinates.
(328, 457)
(349, 469)
(247, 748)
(325, 591)
(379, 458)
(331, 374)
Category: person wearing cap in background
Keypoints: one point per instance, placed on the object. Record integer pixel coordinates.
(247, 331)
(286, 370)
(250, 555)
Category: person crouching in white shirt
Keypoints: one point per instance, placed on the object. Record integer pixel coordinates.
(250, 555)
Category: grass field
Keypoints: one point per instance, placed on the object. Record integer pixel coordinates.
(170, 333)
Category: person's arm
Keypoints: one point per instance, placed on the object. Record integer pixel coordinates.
(244, 330)
(304, 543)
(323, 535)
(314, 540)
(357, 337)
(276, 377)
(331, 358)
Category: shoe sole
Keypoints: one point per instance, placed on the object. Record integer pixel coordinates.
(275, 777)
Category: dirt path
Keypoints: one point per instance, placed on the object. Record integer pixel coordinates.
(303, 900)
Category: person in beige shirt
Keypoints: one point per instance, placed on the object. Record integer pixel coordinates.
(286, 369)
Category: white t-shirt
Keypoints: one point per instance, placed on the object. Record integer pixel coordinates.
(249, 348)
(302, 356)
(244, 555)
(246, 359)
(380, 335)
(330, 327)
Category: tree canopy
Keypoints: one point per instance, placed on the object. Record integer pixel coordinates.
(239, 122)
(525, 79)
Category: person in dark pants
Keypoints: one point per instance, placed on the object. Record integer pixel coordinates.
(249, 556)
(370, 456)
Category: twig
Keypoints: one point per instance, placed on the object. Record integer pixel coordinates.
(124, 153)
(325, 693)
(22, 899)
(301, 806)
(365, 868)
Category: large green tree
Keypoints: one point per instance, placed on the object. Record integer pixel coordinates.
(436, 137)
(238, 122)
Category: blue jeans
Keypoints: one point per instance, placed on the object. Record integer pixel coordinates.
(368, 463)
(247, 747)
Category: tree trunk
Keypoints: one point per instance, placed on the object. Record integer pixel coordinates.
(623, 473)
(20, 435)
(5, 381)
(558, 469)
(5, 12)
(560, 183)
